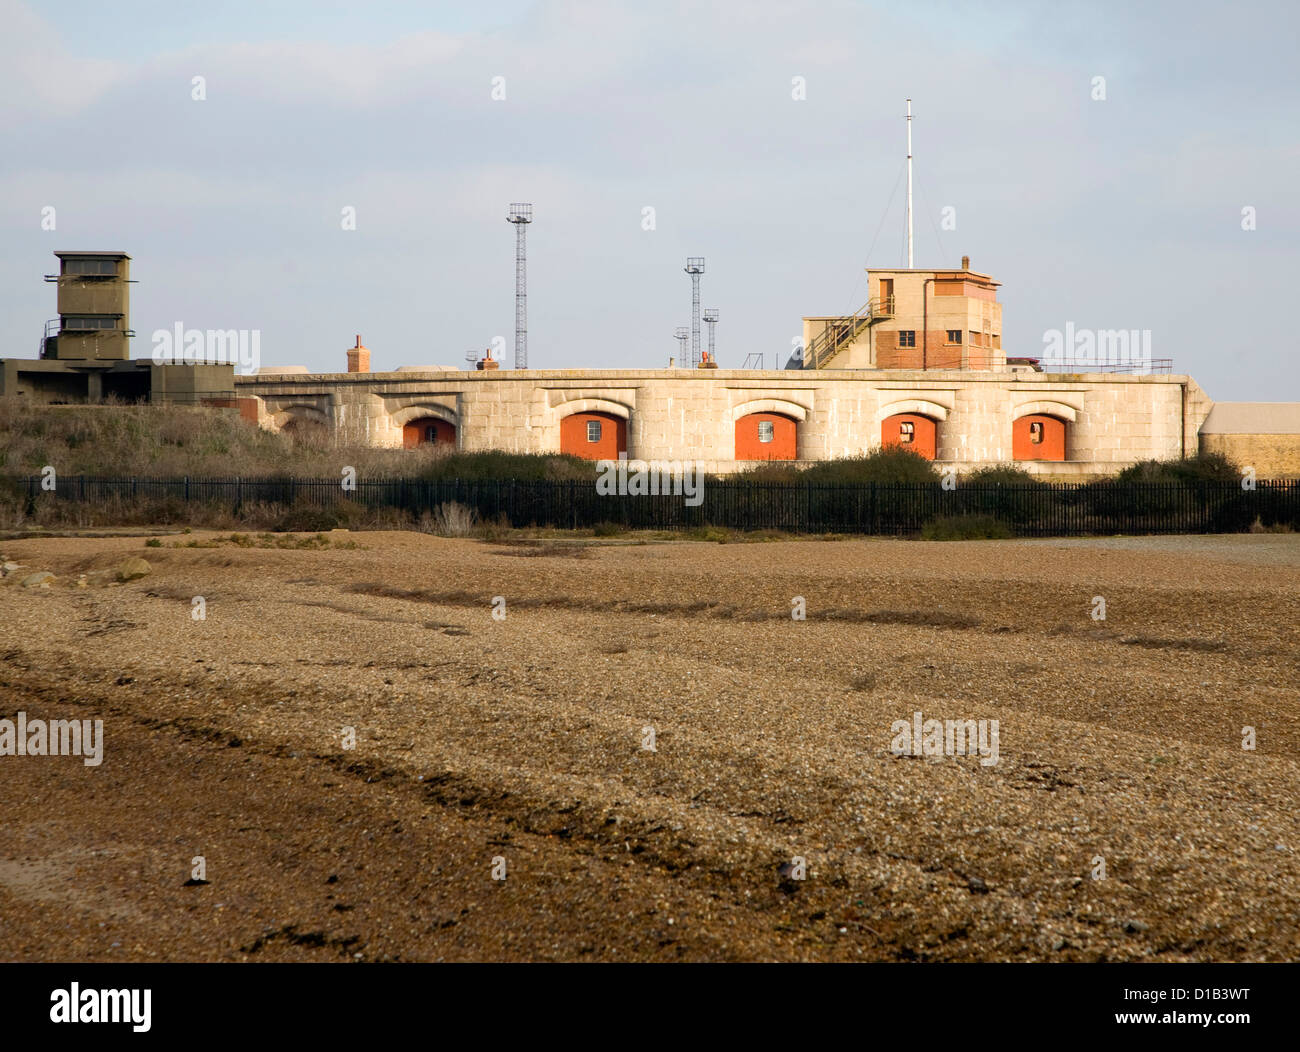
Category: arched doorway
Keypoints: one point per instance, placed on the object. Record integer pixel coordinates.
(911, 431)
(428, 431)
(593, 436)
(766, 436)
(1038, 437)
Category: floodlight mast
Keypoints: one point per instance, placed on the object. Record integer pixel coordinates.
(521, 215)
(681, 334)
(711, 320)
(695, 267)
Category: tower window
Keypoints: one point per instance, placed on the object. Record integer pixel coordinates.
(954, 335)
(906, 431)
(95, 267)
(431, 433)
(766, 431)
(1036, 432)
(907, 337)
(88, 322)
(593, 430)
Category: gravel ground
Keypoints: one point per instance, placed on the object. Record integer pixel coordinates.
(1120, 745)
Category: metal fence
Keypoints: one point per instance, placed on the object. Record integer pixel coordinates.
(1035, 509)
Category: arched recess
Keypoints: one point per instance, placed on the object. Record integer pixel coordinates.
(593, 436)
(593, 428)
(402, 417)
(767, 436)
(592, 405)
(793, 410)
(912, 431)
(423, 425)
(302, 423)
(915, 407)
(1046, 408)
(1038, 436)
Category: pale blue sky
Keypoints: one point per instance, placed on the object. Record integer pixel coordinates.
(1117, 214)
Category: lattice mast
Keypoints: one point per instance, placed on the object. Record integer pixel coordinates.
(711, 320)
(521, 215)
(695, 267)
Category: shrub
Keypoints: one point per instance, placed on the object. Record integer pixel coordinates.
(1213, 467)
(718, 534)
(607, 529)
(886, 465)
(965, 528)
(518, 467)
(453, 520)
(1005, 492)
(1204, 483)
(303, 518)
(1001, 475)
(1204, 467)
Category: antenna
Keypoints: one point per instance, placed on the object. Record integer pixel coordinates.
(711, 320)
(521, 215)
(681, 335)
(909, 184)
(695, 267)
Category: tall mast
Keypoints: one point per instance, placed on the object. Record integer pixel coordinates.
(909, 184)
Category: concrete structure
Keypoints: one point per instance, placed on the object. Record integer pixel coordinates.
(1106, 421)
(85, 352)
(1262, 435)
(921, 365)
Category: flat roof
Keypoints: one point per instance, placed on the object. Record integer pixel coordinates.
(111, 255)
(974, 275)
(1253, 418)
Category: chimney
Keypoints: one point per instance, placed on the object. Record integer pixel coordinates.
(486, 361)
(965, 262)
(358, 358)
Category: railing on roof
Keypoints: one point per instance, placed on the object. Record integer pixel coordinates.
(1139, 366)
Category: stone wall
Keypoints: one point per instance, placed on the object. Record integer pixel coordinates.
(684, 414)
(1272, 456)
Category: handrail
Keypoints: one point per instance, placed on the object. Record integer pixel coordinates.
(842, 331)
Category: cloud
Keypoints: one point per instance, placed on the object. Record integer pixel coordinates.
(38, 77)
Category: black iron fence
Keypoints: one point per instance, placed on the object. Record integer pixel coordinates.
(1034, 509)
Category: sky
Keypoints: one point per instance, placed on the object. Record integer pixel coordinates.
(1122, 212)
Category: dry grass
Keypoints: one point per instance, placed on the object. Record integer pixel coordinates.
(145, 441)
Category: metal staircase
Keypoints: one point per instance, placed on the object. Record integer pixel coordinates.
(841, 332)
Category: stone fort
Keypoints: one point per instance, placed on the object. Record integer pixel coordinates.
(921, 365)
